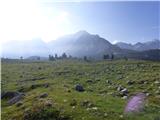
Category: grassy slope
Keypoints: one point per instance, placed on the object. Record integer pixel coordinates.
(70, 72)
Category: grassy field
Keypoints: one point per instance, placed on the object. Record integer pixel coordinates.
(99, 101)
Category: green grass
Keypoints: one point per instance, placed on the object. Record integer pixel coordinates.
(63, 75)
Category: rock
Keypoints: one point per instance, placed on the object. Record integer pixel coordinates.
(124, 97)
(68, 90)
(141, 82)
(9, 94)
(39, 78)
(130, 82)
(89, 81)
(157, 92)
(105, 114)
(94, 108)
(124, 92)
(46, 85)
(73, 107)
(108, 82)
(34, 86)
(15, 99)
(19, 104)
(48, 103)
(79, 88)
(119, 88)
(39, 68)
(121, 116)
(157, 82)
(43, 95)
(147, 94)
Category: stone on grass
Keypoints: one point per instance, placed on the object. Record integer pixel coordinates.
(15, 99)
(46, 85)
(130, 82)
(43, 95)
(124, 91)
(124, 97)
(89, 81)
(79, 88)
(9, 94)
(19, 103)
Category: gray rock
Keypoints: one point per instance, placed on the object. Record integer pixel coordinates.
(108, 82)
(157, 82)
(19, 103)
(124, 97)
(49, 103)
(9, 94)
(119, 88)
(46, 85)
(89, 81)
(43, 95)
(130, 82)
(148, 94)
(79, 88)
(124, 92)
(15, 99)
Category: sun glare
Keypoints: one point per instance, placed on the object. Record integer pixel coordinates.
(24, 20)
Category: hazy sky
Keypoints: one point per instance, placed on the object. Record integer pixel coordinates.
(116, 21)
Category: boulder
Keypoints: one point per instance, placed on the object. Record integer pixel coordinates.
(9, 94)
(124, 92)
(46, 85)
(129, 82)
(15, 99)
(89, 81)
(43, 95)
(119, 88)
(19, 103)
(157, 82)
(79, 88)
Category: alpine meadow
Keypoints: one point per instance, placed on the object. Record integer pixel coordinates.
(80, 60)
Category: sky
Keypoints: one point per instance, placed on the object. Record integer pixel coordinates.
(124, 21)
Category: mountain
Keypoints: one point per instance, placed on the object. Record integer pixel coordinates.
(82, 44)
(154, 44)
(124, 45)
(15, 49)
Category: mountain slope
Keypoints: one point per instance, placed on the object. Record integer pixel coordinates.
(154, 44)
(83, 44)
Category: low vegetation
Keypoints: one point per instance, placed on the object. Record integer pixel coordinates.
(78, 89)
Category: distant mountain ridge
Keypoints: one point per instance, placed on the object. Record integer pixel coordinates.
(154, 44)
(82, 44)
(79, 44)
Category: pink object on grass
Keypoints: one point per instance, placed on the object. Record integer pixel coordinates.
(136, 103)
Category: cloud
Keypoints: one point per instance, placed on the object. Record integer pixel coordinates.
(22, 20)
